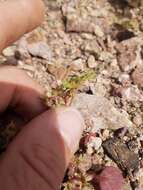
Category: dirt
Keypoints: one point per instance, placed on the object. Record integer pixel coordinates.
(105, 37)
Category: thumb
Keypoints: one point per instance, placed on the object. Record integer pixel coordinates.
(38, 157)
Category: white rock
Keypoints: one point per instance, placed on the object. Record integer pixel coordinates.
(107, 57)
(78, 64)
(132, 94)
(98, 31)
(92, 62)
(40, 49)
(96, 143)
(99, 112)
(124, 78)
(93, 144)
(9, 51)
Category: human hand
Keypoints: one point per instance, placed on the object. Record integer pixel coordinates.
(39, 155)
(18, 17)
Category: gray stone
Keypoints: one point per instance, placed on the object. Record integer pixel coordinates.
(99, 113)
(40, 49)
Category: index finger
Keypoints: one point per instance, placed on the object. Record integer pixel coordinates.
(20, 92)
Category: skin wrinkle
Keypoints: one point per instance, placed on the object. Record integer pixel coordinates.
(40, 154)
(16, 181)
(52, 158)
(37, 170)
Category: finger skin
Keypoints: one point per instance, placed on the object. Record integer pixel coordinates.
(38, 157)
(18, 17)
(20, 92)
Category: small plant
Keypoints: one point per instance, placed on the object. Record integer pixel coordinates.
(64, 93)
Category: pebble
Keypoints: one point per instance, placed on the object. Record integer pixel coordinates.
(78, 65)
(107, 57)
(98, 31)
(124, 79)
(87, 36)
(137, 120)
(111, 178)
(137, 76)
(99, 113)
(94, 144)
(40, 49)
(105, 134)
(9, 51)
(92, 62)
(97, 143)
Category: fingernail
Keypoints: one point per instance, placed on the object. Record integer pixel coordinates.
(71, 125)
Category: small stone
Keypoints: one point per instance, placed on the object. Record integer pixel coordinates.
(137, 120)
(94, 144)
(128, 54)
(91, 62)
(110, 178)
(97, 143)
(124, 79)
(9, 51)
(87, 36)
(107, 57)
(132, 94)
(105, 134)
(98, 31)
(137, 76)
(92, 47)
(78, 65)
(133, 145)
(59, 71)
(99, 113)
(40, 49)
(126, 159)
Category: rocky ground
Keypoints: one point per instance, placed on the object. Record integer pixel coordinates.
(89, 53)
